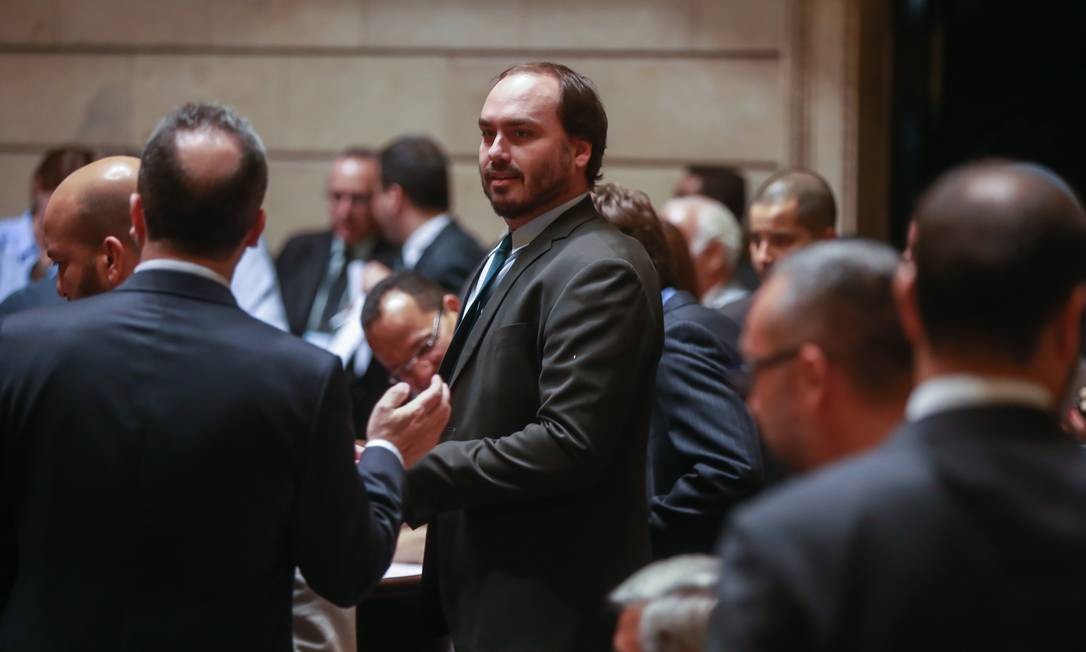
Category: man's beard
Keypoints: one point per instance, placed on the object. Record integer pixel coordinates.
(550, 183)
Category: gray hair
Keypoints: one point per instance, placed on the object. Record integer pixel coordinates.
(839, 295)
(679, 593)
(715, 223)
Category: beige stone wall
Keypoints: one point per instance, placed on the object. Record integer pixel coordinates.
(755, 83)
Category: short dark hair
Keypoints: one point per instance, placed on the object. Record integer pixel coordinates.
(631, 211)
(427, 294)
(839, 295)
(993, 268)
(686, 278)
(419, 166)
(55, 166)
(816, 208)
(579, 109)
(197, 216)
(724, 184)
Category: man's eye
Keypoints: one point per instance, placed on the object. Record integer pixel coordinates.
(522, 133)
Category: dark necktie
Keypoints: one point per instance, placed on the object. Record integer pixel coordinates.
(463, 329)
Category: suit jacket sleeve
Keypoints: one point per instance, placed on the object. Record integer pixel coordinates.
(599, 341)
(756, 610)
(709, 429)
(345, 519)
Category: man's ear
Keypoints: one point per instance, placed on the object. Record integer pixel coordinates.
(812, 372)
(582, 151)
(139, 223)
(1069, 324)
(451, 302)
(252, 238)
(905, 300)
(114, 262)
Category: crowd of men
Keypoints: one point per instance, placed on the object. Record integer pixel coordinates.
(648, 430)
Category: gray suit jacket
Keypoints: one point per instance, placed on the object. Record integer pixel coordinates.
(965, 531)
(536, 497)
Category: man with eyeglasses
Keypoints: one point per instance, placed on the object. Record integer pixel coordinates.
(409, 321)
(828, 365)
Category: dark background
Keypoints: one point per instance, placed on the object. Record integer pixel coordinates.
(976, 79)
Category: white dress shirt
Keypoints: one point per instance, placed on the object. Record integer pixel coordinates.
(969, 390)
(421, 238)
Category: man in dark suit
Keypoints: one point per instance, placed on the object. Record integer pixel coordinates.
(312, 267)
(704, 454)
(965, 530)
(536, 496)
(168, 459)
(791, 210)
(411, 208)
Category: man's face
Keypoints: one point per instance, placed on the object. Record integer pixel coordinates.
(76, 259)
(775, 232)
(351, 186)
(526, 160)
(404, 340)
(386, 210)
(773, 396)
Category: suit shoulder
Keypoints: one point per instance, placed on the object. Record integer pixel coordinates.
(304, 241)
(833, 500)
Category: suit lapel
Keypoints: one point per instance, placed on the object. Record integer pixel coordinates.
(434, 245)
(559, 229)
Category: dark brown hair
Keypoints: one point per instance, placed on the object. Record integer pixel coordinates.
(579, 109)
(632, 212)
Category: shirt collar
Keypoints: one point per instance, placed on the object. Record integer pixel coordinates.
(174, 265)
(968, 390)
(421, 238)
(523, 236)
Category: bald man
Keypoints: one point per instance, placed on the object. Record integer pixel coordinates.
(966, 529)
(792, 209)
(86, 229)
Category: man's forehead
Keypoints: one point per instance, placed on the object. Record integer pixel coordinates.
(782, 214)
(352, 168)
(523, 92)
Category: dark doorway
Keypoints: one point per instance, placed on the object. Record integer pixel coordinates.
(976, 79)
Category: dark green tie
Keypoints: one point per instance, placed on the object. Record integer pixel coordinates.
(463, 329)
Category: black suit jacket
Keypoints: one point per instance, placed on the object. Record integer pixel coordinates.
(965, 531)
(704, 452)
(450, 258)
(301, 267)
(167, 461)
(536, 497)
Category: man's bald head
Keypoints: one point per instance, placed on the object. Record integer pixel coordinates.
(202, 181)
(792, 209)
(86, 227)
(1000, 246)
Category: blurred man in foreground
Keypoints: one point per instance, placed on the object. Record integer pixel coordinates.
(965, 529)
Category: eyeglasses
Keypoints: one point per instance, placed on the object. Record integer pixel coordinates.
(754, 366)
(396, 375)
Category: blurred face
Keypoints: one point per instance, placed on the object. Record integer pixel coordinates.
(706, 259)
(387, 204)
(37, 210)
(773, 397)
(76, 260)
(409, 341)
(527, 163)
(775, 232)
(687, 185)
(351, 186)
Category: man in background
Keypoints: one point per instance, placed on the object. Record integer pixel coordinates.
(22, 254)
(791, 210)
(715, 240)
(704, 454)
(412, 211)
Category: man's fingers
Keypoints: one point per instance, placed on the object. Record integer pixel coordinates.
(394, 397)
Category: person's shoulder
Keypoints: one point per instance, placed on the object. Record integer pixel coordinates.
(835, 498)
(306, 240)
